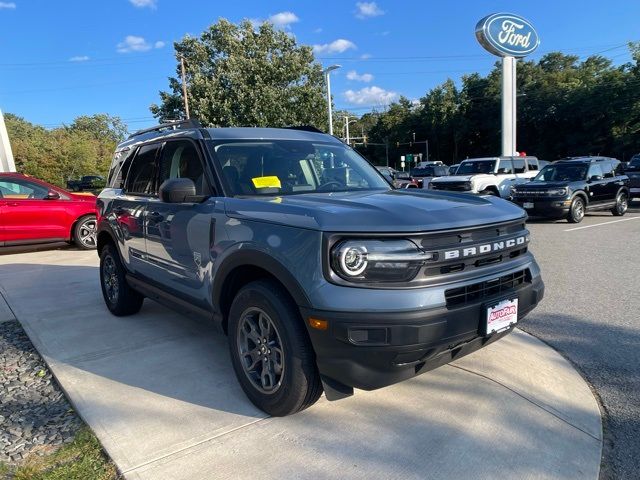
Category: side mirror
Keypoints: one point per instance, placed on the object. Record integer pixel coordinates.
(177, 190)
(595, 178)
(52, 195)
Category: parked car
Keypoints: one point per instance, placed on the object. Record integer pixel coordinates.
(388, 172)
(489, 176)
(88, 182)
(320, 273)
(453, 168)
(632, 170)
(34, 212)
(404, 180)
(424, 175)
(570, 188)
(428, 163)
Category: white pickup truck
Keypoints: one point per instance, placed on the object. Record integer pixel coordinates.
(489, 176)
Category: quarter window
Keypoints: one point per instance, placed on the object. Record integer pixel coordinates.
(140, 178)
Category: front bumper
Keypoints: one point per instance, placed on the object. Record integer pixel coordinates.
(552, 208)
(369, 350)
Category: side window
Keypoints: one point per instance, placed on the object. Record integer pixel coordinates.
(119, 167)
(595, 170)
(22, 190)
(180, 159)
(519, 165)
(505, 167)
(532, 163)
(619, 168)
(140, 177)
(608, 169)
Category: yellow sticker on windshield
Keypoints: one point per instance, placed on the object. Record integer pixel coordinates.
(266, 182)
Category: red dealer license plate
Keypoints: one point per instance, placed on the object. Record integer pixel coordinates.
(501, 316)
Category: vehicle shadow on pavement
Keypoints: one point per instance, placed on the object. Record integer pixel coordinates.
(157, 384)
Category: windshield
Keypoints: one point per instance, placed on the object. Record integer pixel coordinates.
(285, 167)
(423, 172)
(563, 173)
(476, 166)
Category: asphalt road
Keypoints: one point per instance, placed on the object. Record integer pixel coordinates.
(591, 314)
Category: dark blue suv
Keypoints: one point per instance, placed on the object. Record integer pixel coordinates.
(321, 274)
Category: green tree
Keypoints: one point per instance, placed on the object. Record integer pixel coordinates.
(240, 76)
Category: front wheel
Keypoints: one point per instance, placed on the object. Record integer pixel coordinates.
(270, 350)
(622, 204)
(84, 233)
(576, 211)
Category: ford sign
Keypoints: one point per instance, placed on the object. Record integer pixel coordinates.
(507, 35)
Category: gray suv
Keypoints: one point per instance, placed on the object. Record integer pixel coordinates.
(322, 276)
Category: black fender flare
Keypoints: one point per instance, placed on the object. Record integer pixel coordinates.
(257, 258)
(581, 193)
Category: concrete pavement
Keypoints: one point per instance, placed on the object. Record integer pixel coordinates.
(159, 392)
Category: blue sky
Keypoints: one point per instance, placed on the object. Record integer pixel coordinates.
(60, 59)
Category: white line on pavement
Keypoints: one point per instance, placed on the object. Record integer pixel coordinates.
(600, 224)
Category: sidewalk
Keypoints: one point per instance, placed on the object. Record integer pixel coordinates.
(159, 392)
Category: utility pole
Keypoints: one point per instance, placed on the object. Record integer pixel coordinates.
(346, 123)
(184, 88)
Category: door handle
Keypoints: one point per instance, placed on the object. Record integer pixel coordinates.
(155, 217)
(13, 204)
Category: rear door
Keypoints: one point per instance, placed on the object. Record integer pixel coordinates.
(27, 217)
(179, 236)
(613, 181)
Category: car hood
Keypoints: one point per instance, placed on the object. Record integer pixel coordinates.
(538, 184)
(462, 178)
(388, 211)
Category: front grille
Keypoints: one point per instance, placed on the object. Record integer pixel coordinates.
(457, 297)
(452, 186)
(530, 193)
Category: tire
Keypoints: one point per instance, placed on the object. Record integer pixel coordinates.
(85, 232)
(263, 310)
(622, 204)
(489, 191)
(124, 300)
(576, 211)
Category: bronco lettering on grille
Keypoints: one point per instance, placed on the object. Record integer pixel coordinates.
(486, 248)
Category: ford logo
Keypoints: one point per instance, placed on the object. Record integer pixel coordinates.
(507, 35)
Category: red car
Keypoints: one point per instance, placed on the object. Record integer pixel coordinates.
(33, 212)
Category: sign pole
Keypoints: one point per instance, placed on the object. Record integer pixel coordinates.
(6, 155)
(508, 106)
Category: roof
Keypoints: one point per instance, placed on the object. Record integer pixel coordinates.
(586, 159)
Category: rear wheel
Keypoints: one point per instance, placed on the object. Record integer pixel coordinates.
(121, 299)
(84, 233)
(271, 351)
(576, 211)
(622, 204)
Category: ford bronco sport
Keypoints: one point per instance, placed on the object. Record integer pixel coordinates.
(488, 176)
(319, 272)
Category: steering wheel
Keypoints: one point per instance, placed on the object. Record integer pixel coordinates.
(325, 186)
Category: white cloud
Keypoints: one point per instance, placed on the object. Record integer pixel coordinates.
(370, 96)
(133, 43)
(144, 3)
(337, 46)
(365, 56)
(353, 75)
(368, 10)
(284, 19)
(79, 58)
(318, 30)
(7, 6)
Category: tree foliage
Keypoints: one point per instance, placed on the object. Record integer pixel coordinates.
(83, 148)
(566, 107)
(240, 76)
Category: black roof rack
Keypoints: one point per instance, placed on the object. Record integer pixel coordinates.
(305, 128)
(191, 123)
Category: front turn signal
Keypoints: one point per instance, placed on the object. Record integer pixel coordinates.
(318, 324)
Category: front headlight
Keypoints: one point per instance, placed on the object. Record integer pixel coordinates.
(557, 192)
(377, 260)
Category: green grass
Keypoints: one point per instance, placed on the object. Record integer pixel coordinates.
(82, 459)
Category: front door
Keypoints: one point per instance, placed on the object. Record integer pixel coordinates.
(179, 236)
(27, 216)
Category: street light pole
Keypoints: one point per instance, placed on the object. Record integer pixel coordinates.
(327, 79)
